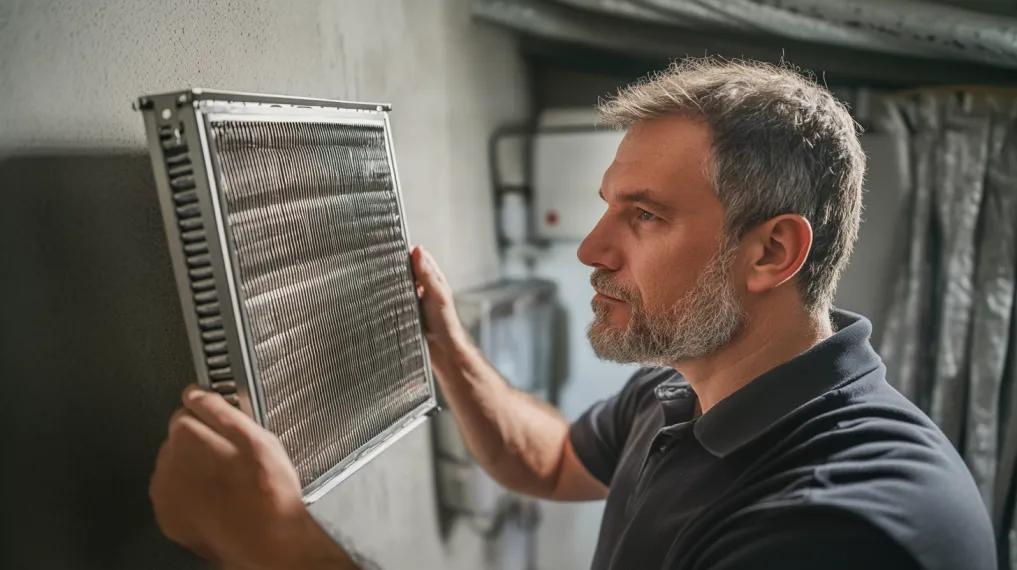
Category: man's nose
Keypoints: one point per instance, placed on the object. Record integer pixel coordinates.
(597, 249)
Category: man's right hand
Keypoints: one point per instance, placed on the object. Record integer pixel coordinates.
(442, 328)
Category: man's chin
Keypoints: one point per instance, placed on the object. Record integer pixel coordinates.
(608, 342)
(601, 328)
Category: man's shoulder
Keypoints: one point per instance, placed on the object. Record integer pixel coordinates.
(872, 424)
(874, 454)
(874, 440)
(866, 420)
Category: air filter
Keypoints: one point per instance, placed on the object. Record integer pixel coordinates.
(285, 228)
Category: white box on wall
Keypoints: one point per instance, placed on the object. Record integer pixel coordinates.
(568, 165)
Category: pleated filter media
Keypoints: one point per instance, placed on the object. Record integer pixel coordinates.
(285, 227)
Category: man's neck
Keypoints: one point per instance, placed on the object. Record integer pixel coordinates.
(769, 338)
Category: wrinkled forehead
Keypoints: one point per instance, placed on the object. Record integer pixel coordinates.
(670, 156)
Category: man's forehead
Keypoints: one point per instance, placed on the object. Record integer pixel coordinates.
(667, 137)
(659, 160)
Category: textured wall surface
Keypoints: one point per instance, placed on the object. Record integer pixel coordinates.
(92, 349)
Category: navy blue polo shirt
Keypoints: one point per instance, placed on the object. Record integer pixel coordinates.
(818, 463)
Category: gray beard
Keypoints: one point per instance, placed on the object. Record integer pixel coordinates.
(702, 321)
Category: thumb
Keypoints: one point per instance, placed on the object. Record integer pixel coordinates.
(421, 276)
(417, 261)
(426, 270)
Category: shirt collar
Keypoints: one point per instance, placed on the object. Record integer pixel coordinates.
(748, 413)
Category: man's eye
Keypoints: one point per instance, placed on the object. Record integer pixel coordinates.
(646, 216)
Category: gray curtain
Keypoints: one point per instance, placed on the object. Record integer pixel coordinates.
(951, 335)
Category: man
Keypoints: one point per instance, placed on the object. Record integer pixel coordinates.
(763, 436)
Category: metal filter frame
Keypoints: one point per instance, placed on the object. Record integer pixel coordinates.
(177, 126)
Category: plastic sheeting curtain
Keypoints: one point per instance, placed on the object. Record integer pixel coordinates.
(950, 342)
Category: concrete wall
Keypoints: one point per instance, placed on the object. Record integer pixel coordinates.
(92, 349)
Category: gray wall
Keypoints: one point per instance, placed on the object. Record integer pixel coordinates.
(92, 350)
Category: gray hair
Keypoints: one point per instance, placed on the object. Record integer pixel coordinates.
(780, 144)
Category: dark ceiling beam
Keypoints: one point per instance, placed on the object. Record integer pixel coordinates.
(569, 36)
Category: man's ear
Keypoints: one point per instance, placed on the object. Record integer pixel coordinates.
(777, 249)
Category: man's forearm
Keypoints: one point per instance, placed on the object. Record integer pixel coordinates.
(516, 438)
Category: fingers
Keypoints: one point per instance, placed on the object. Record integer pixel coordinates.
(184, 424)
(222, 418)
(417, 261)
(431, 267)
(415, 253)
(190, 444)
(425, 268)
(429, 281)
(185, 468)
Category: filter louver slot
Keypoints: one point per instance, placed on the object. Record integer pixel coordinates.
(286, 232)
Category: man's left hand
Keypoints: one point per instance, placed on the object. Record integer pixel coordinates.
(224, 487)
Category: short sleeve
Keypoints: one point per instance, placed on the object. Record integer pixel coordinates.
(600, 434)
(801, 539)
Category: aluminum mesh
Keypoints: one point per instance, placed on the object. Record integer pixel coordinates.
(324, 280)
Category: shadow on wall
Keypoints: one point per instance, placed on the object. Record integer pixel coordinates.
(93, 355)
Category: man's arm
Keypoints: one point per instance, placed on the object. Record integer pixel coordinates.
(521, 442)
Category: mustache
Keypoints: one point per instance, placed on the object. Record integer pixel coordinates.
(603, 281)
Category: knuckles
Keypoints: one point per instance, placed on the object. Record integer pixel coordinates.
(174, 419)
(183, 429)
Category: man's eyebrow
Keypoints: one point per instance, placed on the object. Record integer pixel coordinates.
(641, 196)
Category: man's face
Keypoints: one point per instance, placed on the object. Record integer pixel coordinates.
(663, 268)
